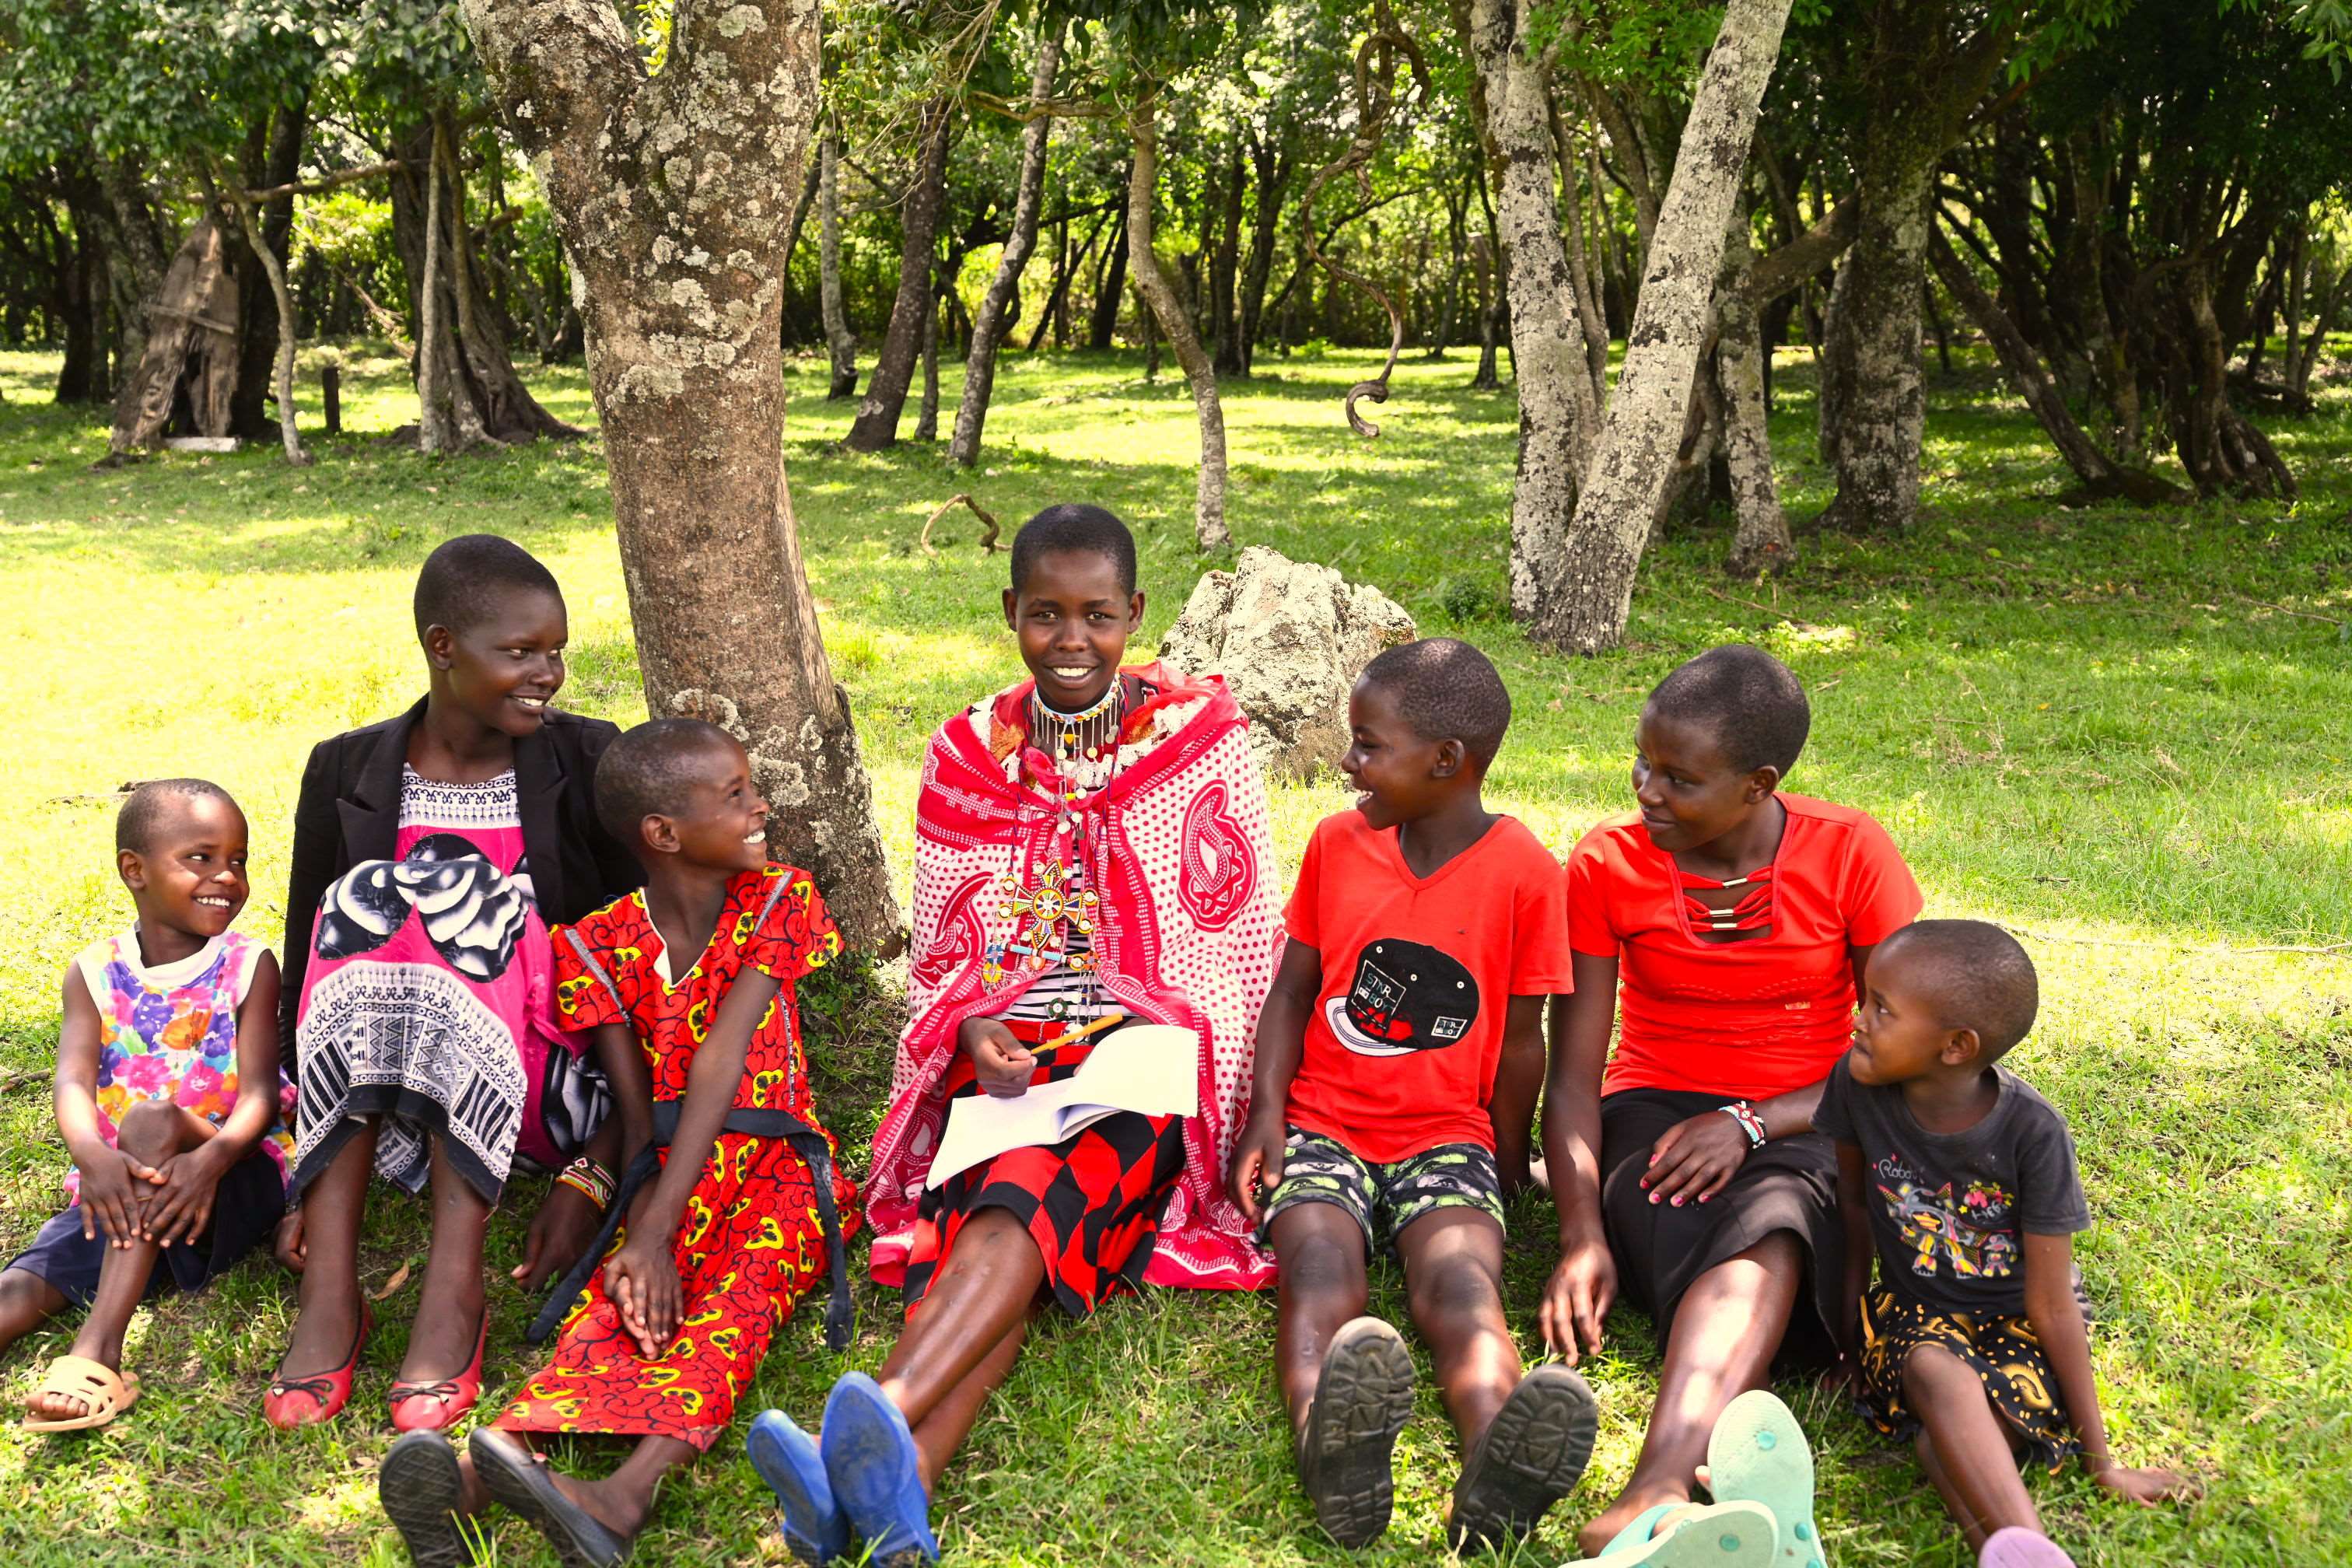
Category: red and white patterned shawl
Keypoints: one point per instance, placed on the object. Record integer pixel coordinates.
(1189, 932)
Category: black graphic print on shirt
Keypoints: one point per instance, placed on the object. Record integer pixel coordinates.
(1406, 996)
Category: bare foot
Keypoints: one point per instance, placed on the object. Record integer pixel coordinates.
(622, 1515)
(1638, 1498)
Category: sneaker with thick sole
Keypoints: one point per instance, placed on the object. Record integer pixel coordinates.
(1532, 1456)
(1362, 1398)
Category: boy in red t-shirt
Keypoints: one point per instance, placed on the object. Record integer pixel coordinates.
(1426, 933)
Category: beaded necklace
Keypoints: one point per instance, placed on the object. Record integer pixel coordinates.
(1054, 904)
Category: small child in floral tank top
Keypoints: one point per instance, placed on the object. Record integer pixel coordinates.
(169, 1099)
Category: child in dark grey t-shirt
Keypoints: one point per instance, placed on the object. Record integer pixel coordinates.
(1961, 1179)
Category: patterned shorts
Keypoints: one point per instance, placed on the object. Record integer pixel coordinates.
(2004, 1352)
(1320, 1169)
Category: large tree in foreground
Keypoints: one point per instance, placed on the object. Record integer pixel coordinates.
(673, 190)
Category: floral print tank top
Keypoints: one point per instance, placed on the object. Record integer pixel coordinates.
(169, 1032)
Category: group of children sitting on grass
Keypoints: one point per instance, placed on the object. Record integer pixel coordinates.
(516, 934)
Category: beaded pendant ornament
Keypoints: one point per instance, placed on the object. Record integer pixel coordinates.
(1053, 903)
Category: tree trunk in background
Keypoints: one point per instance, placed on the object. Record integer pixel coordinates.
(283, 299)
(141, 240)
(1102, 327)
(988, 329)
(1209, 530)
(927, 422)
(273, 157)
(85, 296)
(672, 192)
(838, 341)
(1269, 162)
(877, 425)
(2102, 478)
(1922, 82)
(1559, 417)
(800, 205)
(1583, 609)
(1490, 316)
(1760, 541)
(462, 354)
(1224, 270)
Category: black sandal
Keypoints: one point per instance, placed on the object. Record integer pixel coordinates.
(1362, 1398)
(520, 1481)
(1532, 1456)
(419, 1487)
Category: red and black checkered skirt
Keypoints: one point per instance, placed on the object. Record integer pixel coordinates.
(1092, 1203)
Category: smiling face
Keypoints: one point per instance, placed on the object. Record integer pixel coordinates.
(722, 822)
(1402, 775)
(504, 669)
(1897, 1035)
(1073, 619)
(1689, 792)
(191, 877)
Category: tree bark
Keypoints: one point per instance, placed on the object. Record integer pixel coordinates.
(838, 341)
(274, 158)
(877, 425)
(1102, 326)
(988, 329)
(1922, 83)
(2102, 478)
(1584, 608)
(927, 422)
(1559, 413)
(1270, 163)
(283, 299)
(1760, 541)
(1224, 272)
(1209, 530)
(671, 193)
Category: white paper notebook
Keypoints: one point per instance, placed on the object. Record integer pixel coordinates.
(1154, 1068)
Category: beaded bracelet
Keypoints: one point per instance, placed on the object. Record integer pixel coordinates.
(1742, 1112)
(591, 1179)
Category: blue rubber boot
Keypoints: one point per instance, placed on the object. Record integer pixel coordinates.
(816, 1530)
(869, 1460)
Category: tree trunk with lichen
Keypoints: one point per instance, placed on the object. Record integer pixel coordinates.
(1582, 605)
(1209, 530)
(1760, 542)
(672, 194)
(1558, 414)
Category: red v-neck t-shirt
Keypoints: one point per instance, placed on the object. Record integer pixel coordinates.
(1418, 974)
(1746, 1019)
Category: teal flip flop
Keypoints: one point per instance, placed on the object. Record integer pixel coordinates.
(1636, 1535)
(1723, 1535)
(1757, 1452)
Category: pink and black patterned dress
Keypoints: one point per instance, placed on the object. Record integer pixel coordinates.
(429, 1002)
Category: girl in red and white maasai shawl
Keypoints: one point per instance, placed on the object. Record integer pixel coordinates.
(1187, 931)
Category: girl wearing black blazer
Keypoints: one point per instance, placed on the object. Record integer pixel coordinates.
(432, 853)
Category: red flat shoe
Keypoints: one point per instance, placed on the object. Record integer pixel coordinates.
(294, 1402)
(435, 1406)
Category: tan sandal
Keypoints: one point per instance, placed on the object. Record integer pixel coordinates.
(105, 1391)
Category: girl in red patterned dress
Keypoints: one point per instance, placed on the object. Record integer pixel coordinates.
(734, 1206)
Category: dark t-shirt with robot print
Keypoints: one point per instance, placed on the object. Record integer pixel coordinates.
(1949, 1212)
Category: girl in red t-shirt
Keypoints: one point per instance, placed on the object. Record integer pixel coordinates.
(1737, 919)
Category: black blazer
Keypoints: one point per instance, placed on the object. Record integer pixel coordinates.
(349, 811)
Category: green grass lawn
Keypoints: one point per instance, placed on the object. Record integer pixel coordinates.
(2127, 734)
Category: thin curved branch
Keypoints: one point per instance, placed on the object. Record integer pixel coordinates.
(1376, 100)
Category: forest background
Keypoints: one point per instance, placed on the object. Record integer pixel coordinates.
(1988, 379)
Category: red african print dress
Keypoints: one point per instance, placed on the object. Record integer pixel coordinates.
(750, 1245)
